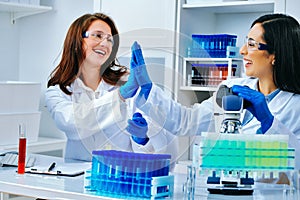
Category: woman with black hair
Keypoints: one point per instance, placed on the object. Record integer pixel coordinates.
(271, 55)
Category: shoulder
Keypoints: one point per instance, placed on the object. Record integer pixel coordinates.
(55, 91)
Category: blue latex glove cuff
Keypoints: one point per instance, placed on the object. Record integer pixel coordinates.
(141, 141)
(145, 90)
(137, 126)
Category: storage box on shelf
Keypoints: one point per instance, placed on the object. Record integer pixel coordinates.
(19, 105)
(214, 46)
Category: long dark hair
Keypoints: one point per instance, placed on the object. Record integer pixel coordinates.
(282, 35)
(73, 54)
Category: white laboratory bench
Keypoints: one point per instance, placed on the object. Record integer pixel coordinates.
(57, 187)
(43, 144)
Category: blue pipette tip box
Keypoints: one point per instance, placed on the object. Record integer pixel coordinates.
(124, 173)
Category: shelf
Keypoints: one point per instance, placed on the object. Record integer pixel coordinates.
(235, 6)
(219, 77)
(191, 59)
(43, 144)
(199, 88)
(18, 10)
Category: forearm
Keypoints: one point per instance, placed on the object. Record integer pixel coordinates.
(175, 118)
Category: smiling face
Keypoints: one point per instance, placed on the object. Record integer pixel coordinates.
(258, 63)
(97, 49)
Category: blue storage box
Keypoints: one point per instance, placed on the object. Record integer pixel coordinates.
(214, 46)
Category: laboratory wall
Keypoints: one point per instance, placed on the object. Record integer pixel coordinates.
(41, 41)
(9, 48)
(30, 48)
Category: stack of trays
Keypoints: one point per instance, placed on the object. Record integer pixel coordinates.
(244, 151)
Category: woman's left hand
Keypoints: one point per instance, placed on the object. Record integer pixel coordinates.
(257, 105)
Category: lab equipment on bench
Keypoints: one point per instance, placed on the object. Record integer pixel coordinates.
(122, 174)
(232, 160)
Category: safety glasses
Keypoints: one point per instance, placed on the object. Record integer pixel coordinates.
(99, 36)
(253, 45)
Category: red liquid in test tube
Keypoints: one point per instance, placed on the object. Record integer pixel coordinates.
(22, 149)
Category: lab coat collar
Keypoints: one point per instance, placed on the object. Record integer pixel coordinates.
(279, 101)
(79, 87)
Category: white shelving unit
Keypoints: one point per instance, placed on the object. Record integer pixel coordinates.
(215, 61)
(18, 10)
(211, 17)
(234, 6)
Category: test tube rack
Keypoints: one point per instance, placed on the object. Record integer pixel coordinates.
(122, 174)
(210, 74)
(233, 160)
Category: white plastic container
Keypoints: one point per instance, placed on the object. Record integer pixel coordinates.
(19, 97)
(9, 127)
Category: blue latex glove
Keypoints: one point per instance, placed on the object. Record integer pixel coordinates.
(139, 66)
(140, 71)
(138, 128)
(258, 105)
(130, 88)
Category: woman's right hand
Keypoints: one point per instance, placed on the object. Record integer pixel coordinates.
(138, 66)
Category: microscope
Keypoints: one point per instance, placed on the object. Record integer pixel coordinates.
(230, 181)
(232, 106)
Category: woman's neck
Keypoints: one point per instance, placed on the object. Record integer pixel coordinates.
(91, 77)
(266, 87)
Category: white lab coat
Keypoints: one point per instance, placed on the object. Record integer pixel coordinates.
(97, 120)
(181, 120)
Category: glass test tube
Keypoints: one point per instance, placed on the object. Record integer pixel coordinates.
(22, 149)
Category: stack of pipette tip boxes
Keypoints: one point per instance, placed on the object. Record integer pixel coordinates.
(244, 151)
(124, 174)
(242, 157)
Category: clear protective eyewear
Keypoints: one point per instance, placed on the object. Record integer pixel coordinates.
(253, 45)
(99, 37)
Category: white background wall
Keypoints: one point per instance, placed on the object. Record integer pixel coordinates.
(30, 48)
